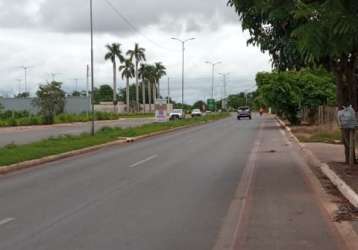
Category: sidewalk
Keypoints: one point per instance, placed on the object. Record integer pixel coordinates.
(327, 152)
(281, 208)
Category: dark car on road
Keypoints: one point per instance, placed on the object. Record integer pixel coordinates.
(244, 112)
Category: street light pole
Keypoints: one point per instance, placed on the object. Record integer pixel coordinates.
(212, 76)
(87, 79)
(183, 65)
(92, 73)
(19, 85)
(168, 90)
(76, 80)
(25, 71)
(224, 75)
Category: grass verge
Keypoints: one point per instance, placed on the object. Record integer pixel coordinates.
(25, 119)
(309, 134)
(12, 153)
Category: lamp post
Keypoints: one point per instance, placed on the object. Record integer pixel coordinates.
(53, 75)
(25, 68)
(224, 75)
(213, 64)
(168, 101)
(92, 73)
(183, 62)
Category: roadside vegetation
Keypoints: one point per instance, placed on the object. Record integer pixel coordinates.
(289, 92)
(308, 134)
(12, 153)
(305, 34)
(12, 119)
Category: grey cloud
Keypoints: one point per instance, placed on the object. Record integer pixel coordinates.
(72, 15)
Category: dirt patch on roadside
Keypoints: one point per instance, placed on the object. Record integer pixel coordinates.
(349, 175)
(345, 212)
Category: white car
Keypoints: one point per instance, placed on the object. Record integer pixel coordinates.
(196, 113)
(177, 114)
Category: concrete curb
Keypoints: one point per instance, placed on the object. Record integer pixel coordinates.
(33, 163)
(342, 186)
(345, 228)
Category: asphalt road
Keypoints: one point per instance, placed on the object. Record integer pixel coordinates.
(28, 134)
(169, 192)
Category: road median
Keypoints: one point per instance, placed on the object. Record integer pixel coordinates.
(16, 157)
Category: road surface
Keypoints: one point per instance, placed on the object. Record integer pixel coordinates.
(171, 192)
(28, 134)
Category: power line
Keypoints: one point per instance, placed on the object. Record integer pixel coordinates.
(133, 27)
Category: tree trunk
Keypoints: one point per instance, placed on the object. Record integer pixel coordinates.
(154, 93)
(143, 95)
(114, 87)
(150, 96)
(127, 95)
(137, 85)
(346, 93)
(158, 90)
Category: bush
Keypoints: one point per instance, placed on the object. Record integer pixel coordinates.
(288, 92)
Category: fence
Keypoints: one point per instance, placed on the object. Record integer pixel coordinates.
(323, 115)
(73, 104)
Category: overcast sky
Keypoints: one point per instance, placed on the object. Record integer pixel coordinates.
(53, 37)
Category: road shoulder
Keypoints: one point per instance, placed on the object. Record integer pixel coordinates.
(281, 203)
(317, 172)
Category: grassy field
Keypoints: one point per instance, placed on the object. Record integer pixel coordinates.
(12, 154)
(317, 134)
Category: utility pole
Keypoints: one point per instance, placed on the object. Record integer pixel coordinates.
(168, 91)
(53, 75)
(183, 65)
(92, 66)
(87, 79)
(25, 68)
(19, 85)
(213, 75)
(224, 75)
(76, 83)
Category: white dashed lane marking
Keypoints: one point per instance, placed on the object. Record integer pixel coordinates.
(6, 221)
(143, 161)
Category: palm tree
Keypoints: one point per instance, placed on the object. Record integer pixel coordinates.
(114, 52)
(142, 75)
(127, 69)
(160, 71)
(148, 75)
(139, 55)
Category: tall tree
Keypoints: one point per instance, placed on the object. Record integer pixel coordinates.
(114, 52)
(127, 70)
(320, 31)
(51, 100)
(103, 94)
(142, 74)
(149, 76)
(138, 54)
(160, 71)
(270, 24)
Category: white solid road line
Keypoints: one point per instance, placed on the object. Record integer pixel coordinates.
(5, 221)
(283, 132)
(143, 161)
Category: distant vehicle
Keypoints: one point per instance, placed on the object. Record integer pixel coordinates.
(177, 114)
(196, 113)
(244, 112)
